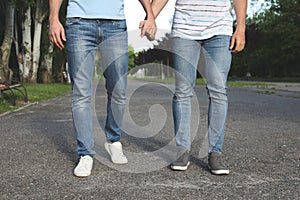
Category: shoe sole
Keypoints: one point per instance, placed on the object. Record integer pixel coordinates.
(220, 172)
(113, 161)
(180, 168)
(82, 175)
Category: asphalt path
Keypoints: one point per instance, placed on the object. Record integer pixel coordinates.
(261, 148)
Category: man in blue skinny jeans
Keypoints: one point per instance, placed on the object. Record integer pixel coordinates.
(203, 30)
(94, 25)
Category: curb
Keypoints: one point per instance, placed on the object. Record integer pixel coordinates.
(18, 109)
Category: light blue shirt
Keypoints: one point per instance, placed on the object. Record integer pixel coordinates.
(96, 9)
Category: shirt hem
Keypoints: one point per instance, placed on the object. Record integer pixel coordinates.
(184, 36)
(96, 17)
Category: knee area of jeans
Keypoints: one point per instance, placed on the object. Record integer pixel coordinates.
(118, 91)
(217, 93)
(81, 99)
(81, 92)
(181, 97)
(119, 96)
(216, 87)
(183, 92)
(218, 96)
(119, 100)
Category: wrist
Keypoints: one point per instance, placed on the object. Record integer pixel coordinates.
(150, 16)
(241, 28)
(53, 18)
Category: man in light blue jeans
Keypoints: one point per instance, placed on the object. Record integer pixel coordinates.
(203, 30)
(94, 26)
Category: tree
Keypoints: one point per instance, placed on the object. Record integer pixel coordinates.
(161, 54)
(23, 37)
(40, 15)
(273, 42)
(131, 58)
(5, 49)
(27, 43)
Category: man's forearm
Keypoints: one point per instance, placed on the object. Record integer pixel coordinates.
(240, 8)
(56, 30)
(54, 6)
(147, 7)
(157, 6)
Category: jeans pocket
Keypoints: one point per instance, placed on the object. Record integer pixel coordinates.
(72, 20)
(120, 24)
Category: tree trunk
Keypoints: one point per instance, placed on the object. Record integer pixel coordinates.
(27, 61)
(16, 42)
(38, 20)
(5, 49)
(46, 66)
(36, 51)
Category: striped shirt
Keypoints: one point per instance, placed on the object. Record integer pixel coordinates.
(202, 19)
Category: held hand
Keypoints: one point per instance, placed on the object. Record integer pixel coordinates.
(148, 29)
(238, 41)
(57, 33)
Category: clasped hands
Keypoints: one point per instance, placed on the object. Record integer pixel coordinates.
(148, 28)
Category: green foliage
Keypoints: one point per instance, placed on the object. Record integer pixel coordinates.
(273, 43)
(131, 58)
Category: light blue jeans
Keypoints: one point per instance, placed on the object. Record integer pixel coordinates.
(86, 37)
(215, 61)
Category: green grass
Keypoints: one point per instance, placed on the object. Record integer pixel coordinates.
(249, 84)
(36, 93)
(284, 79)
(156, 80)
(201, 81)
(5, 106)
(39, 92)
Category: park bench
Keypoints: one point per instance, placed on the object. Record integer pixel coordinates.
(8, 90)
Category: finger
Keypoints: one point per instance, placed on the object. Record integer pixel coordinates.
(239, 47)
(142, 23)
(63, 36)
(59, 42)
(152, 35)
(232, 43)
(56, 40)
(143, 32)
(149, 37)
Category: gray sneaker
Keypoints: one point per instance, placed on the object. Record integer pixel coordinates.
(216, 165)
(182, 162)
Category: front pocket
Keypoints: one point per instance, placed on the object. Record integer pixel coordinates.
(72, 20)
(120, 24)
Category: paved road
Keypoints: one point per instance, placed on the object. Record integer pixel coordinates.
(261, 148)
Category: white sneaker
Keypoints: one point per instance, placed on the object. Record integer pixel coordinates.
(84, 166)
(116, 153)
